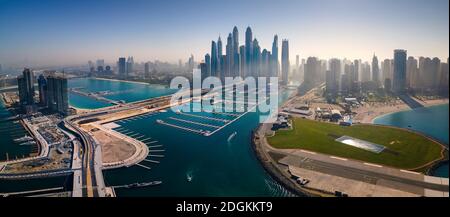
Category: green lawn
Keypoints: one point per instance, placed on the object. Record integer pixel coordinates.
(404, 149)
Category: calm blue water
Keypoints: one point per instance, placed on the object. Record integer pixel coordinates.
(10, 130)
(129, 92)
(218, 167)
(432, 121)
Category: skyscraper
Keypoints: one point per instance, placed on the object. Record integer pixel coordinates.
(284, 61)
(332, 76)
(236, 61)
(26, 87)
(399, 77)
(122, 67)
(207, 65)
(220, 62)
(412, 72)
(214, 59)
(57, 100)
(312, 70)
(248, 51)
(242, 61)
(375, 70)
(42, 88)
(147, 70)
(230, 57)
(275, 63)
(255, 65)
(129, 66)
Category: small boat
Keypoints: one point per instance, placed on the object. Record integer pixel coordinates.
(189, 177)
(231, 136)
(23, 139)
(159, 121)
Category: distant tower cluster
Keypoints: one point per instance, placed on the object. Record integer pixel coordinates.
(245, 60)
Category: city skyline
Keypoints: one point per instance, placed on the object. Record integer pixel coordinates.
(66, 38)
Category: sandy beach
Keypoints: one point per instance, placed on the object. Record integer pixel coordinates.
(367, 113)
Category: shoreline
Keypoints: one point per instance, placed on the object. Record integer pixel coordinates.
(368, 113)
(409, 109)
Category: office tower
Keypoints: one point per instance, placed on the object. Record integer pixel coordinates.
(332, 76)
(220, 62)
(356, 72)
(435, 73)
(248, 51)
(42, 88)
(284, 61)
(365, 72)
(399, 76)
(122, 67)
(264, 66)
(214, 59)
(387, 70)
(256, 58)
(129, 66)
(91, 66)
(147, 70)
(275, 63)
(297, 62)
(191, 63)
(242, 61)
(203, 70)
(219, 47)
(375, 70)
(312, 70)
(207, 65)
(57, 100)
(1, 70)
(222, 69)
(412, 72)
(26, 87)
(230, 57)
(444, 79)
(236, 60)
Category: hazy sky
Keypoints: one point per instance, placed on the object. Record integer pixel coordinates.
(75, 31)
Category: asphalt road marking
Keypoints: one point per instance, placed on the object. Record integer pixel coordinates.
(374, 165)
(338, 158)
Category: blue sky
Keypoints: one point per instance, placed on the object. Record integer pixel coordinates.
(51, 32)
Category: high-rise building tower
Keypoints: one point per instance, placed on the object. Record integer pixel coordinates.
(332, 76)
(412, 72)
(284, 61)
(122, 67)
(256, 58)
(248, 51)
(130, 65)
(57, 100)
(230, 56)
(375, 70)
(220, 62)
(399, 77)
(42, 88)
(208, 65)
(275, 64)
(214, 59)
(26, 87)
(147, 70)
(236, 60)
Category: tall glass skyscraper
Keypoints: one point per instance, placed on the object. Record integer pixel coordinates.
(284, 61)
(399, 77)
